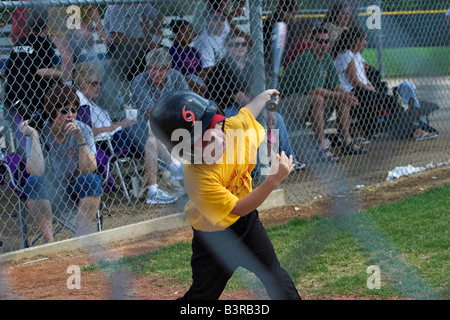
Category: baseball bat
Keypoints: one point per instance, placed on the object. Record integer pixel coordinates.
(279, 34)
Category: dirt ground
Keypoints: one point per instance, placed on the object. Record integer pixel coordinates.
(46, 277)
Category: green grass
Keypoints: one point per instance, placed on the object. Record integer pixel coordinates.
(411, 62)
(408, 240)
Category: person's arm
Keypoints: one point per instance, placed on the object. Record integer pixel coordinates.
(49, 73)
(87, 162)
(280, 169)
(353, 77)
(141, 97)
(35, 164)
(338, 95)
(259, 103)
(99, 130)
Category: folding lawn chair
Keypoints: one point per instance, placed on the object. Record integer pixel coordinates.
(12, 167)
(124, 157)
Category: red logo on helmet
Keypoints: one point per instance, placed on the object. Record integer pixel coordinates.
(188, 116)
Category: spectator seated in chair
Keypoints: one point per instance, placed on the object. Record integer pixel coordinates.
(373, 100)
(310, 90)
(61, 161)
(131, 134)
(186, 58)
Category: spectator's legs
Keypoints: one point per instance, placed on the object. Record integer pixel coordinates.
(86, 217)
(151, 159)
(343, 121)
(39, 206)
(317, 107)
(88, 189)
(155, 194)
(163, 153)
(41, 211)
(285, 143)
(311, 107)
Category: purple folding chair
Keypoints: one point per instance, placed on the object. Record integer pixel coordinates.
(13, 167)
(105, 161)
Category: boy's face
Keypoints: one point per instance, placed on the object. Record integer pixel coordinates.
(361, 44)
(212, 145)
(320, 43)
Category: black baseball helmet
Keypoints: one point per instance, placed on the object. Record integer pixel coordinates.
(181, 109)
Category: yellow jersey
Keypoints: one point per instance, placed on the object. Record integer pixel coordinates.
(215, 188)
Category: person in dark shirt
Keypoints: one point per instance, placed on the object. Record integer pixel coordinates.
(30, 71)
(186, 58)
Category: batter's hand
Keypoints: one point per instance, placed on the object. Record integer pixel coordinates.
(280, 167)
(259, 102)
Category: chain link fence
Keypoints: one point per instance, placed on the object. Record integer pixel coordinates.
(364, 90)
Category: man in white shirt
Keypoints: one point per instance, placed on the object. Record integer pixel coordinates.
(211, 42)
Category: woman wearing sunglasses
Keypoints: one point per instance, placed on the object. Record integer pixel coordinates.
(61, 163)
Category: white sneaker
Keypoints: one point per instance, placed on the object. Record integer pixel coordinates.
(160, 197)
(299, 165)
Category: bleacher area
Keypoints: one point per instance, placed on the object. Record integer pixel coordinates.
(100, 48)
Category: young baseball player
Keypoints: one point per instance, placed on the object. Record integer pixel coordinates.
(222, 207)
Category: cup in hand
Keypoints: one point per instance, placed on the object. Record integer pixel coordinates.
(131, 114)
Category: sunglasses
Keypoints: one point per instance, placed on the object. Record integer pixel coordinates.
(65, 111)
(322, 40)
(238, 44)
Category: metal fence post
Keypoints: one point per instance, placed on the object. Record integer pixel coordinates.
(259, 77)
(380, 41)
